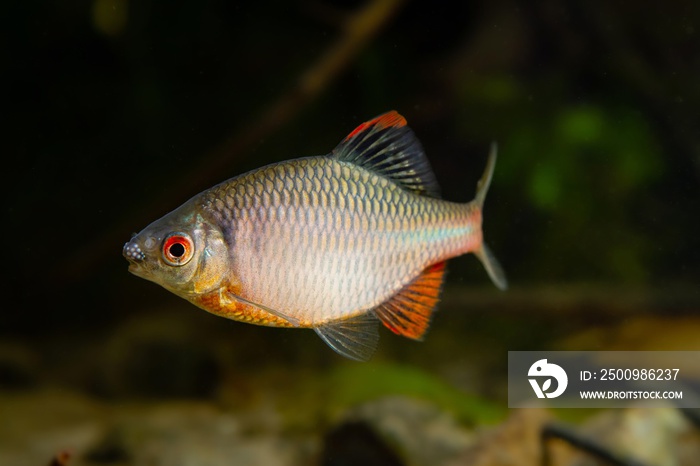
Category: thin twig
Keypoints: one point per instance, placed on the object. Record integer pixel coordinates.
(358, 31)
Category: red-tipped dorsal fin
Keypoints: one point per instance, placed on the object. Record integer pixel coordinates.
(386, 146)
(408, 312)
(388, 120)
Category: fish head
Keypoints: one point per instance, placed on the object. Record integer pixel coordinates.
(183, 252)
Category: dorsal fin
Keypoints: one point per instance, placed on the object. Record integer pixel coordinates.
(387, 146)
(408, 312)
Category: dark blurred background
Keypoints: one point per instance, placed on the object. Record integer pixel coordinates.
(115, 108)
(117, 111)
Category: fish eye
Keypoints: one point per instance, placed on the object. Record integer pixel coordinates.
(177, 249)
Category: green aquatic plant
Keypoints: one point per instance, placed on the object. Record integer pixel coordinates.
(358, 383)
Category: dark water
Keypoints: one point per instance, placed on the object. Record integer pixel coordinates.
(117, 111)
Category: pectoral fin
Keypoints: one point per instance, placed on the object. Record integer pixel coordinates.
(292, 320)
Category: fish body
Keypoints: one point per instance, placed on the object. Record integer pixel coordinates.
(331, 242)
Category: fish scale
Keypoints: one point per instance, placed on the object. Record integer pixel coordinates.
(332, 243)
(388, 247)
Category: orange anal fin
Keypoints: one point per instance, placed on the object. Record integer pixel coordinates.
(409, 311)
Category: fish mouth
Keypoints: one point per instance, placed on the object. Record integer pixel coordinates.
(134, 268)
(137, 268)
(133, 253)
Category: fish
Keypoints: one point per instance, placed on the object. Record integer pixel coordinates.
(337, 243)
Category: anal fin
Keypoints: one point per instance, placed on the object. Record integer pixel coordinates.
(408, 312)
(355, 338)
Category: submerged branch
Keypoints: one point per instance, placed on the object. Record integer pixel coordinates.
(357, 32)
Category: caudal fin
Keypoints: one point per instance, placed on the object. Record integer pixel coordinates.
(482, 187)
(493, 268)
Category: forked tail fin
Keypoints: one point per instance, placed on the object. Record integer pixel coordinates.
(493, 268)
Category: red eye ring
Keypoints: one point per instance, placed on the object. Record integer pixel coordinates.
(178, 249)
